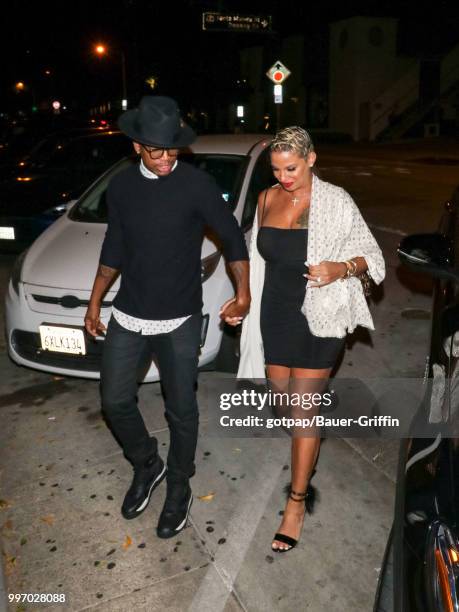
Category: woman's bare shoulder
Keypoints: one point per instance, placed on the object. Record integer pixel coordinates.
(269, 193)
(265, 199)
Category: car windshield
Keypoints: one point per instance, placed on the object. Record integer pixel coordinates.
(52, 145)
(97, 152)
(227, 170)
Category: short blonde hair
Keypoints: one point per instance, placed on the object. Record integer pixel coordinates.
(294, 139)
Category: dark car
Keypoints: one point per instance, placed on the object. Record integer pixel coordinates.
(20, 135)
(43, 149)
(58, 172)
(17, 137)
(421, 565)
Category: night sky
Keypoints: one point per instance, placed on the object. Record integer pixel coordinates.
(163, 38)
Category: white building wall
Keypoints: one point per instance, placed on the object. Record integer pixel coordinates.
(363, 62)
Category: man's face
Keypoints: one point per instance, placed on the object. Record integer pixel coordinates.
(159, 161)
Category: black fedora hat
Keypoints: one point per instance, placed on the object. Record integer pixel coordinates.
(157, 123)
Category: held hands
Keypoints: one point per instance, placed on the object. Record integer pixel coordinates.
(92, 322)
(325, 273)
(234, 310)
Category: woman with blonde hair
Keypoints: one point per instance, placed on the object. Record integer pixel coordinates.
(309, 246)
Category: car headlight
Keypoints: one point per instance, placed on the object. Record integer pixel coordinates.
(17, 271)
(208, 265)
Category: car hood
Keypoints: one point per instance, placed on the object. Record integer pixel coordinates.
(66, 255)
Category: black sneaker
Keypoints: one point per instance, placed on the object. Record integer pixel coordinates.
(146, 479)
(176, 510)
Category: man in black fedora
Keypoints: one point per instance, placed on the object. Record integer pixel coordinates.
(157, 212)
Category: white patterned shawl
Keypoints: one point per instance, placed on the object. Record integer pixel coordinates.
(337, 232)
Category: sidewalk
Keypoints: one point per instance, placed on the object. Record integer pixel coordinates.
(63, 479)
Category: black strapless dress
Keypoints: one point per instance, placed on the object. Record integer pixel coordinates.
(287, 339)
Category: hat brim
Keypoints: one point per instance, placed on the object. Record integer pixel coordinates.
(127, 124)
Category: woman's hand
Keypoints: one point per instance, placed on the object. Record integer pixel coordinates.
(325, 273)
(234, 310)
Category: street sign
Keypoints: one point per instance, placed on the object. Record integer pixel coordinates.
(278, 94)
(223, 22)
(278, 73)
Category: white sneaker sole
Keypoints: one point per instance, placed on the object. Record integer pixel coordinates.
(183, 523)
(153, 485)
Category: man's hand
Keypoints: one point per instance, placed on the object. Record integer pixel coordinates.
(104, 279)
(92, 322)
(234, 310)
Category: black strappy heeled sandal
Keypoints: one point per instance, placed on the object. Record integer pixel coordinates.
(308, 498)
(285, 539)
(311, 496)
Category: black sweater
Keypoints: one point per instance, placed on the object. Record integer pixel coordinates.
(154, 237)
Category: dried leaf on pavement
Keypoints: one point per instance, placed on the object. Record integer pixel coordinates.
(208, 497)
(10, 565)
(4, 504)
(49, 519)
(127, 542)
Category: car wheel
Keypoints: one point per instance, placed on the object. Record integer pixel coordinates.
(227, 359)
(384, 600)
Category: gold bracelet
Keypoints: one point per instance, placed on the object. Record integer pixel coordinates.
(349, 269)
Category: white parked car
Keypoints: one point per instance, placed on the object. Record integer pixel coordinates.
(51, 283)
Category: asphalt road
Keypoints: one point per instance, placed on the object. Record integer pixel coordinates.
(401, 188)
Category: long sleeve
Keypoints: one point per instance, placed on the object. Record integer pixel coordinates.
(218, 216)
(337, 232)
(361, 242)
(112, 248)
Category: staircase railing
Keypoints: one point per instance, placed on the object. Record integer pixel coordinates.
(394, 101)
(419, 109)
(400, 105)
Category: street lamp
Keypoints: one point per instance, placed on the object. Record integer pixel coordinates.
(101, 49)
(23, 88)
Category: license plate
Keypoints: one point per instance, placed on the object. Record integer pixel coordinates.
(7, 233)
(62, 340)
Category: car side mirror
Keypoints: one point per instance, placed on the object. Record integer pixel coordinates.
(60, 209)
(428, 253)
(64, 206)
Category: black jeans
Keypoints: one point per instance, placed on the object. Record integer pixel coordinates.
(125, 354)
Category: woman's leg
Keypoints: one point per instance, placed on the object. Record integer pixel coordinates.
(278, 382)
(305, 450)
